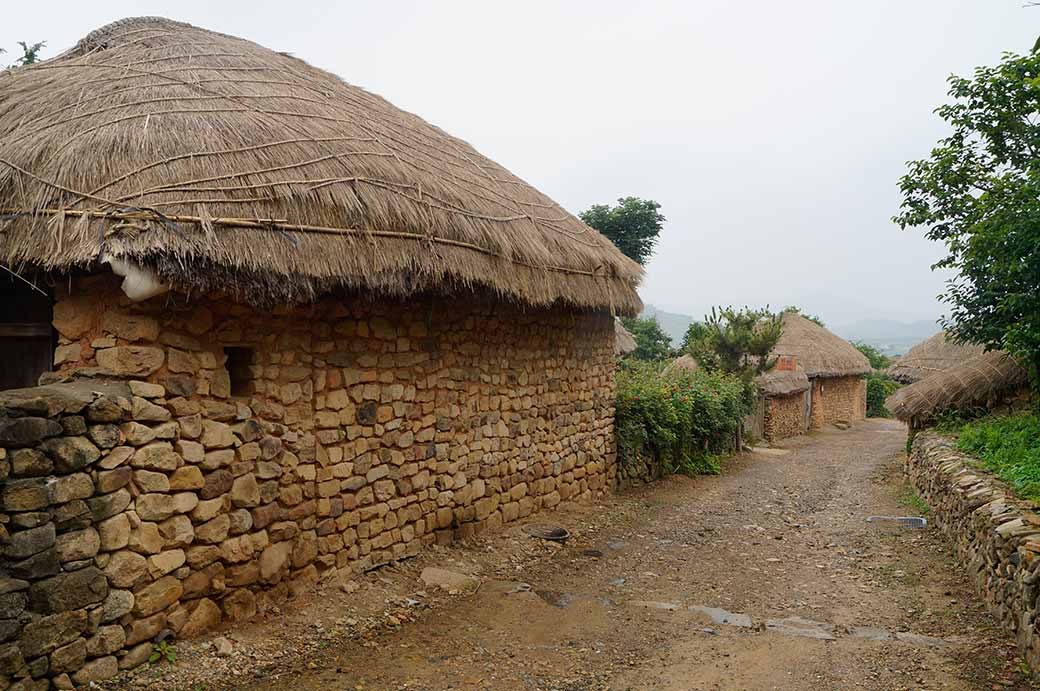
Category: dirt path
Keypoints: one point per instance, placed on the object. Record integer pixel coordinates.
(778, 536)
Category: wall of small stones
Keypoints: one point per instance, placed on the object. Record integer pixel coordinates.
(785, 416)
(996, 535)
(361, 431)
(838, 399)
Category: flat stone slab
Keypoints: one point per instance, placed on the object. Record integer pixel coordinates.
(919, 639)
(806, 628)
(870, 633)
(721, 616)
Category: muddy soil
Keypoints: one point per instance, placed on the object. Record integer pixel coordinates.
(766, 577)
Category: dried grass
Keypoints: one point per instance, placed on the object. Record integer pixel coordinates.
(225, 164)
(931, 356)
(978, 382)
(819, 352)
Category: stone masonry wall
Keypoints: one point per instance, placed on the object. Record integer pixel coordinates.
(997, 536)
(785, 416)
(359, 432)
(838, 399)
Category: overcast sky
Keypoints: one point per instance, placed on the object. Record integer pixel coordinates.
(772, 133)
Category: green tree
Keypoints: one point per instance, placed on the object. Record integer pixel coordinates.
(652, 343)
(695, 333)
(633, 225)
(737, 341)
(979, 194)
(810, 317)
(30, 53)
(878, 360)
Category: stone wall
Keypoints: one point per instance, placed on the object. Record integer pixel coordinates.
(785, 416)
(996, 536)
(346, 434)
(838, 399)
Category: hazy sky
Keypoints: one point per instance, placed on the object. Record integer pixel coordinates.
(772, 133)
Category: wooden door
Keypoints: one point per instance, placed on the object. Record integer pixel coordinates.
(26, 334)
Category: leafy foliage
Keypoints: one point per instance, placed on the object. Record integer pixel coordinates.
(684, 420)
(736, 341)
(879, 387)
(30, 53)
(878, 360)
(695, 333)
(1009, 446)
(979, 193)
(163, 651)
(633, 225)
(652, 343)
(810, 317)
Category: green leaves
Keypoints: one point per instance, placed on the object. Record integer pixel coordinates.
(652, 343)
(979, 194)
(633, 225)
(30, 53)
(682, 420)
(735, 341)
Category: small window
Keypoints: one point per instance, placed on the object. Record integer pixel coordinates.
(239, 366)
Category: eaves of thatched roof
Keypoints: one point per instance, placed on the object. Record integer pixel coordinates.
(818, 352)
(224, 165)
(974, 383)
(931, 356)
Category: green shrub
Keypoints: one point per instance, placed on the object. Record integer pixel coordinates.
(684, 420)
(1010, 447)
(879, 387)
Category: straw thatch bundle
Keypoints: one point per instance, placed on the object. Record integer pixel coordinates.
(977, 382)
(222, 164)
(819, 353)
(782, 382)
(624, 341)
(683, 363)
(931, 356)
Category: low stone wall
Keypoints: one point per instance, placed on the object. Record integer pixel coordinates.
(997, 536)
(355, 434)
(784, 416)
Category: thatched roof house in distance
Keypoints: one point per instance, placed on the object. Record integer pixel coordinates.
(987, 381)
(685, 363)
(931, 356)
(342, 333)
(817, 381)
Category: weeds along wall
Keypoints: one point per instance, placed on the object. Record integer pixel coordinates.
(245, 453)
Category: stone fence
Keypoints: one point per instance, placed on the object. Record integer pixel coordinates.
(997, 536)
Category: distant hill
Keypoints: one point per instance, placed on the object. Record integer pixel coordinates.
(674, 325)
(889, 336)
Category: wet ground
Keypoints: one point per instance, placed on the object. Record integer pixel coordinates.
(767, 577)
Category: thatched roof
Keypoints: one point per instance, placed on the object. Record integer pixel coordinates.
(682, 363)
(222, 164)
(782, 382)
(819, 352)
(624, 341)
(931, 356)
(975, 383)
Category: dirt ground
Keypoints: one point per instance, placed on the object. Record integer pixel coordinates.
(766, 577)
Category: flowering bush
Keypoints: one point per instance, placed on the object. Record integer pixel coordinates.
(682, 420)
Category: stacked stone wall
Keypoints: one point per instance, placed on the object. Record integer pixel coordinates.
(838, 399)
(361, 431)
(996, 536)
(785, 416)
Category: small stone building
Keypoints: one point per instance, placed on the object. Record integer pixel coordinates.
(283, 328)
(818, 380)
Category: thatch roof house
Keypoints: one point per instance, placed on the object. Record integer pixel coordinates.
(818, 380)
(683, 363)
(987, 381)
(931, 356)
(341, 333)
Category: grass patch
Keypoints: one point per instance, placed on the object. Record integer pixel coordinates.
(1009, 446)
(912, 500)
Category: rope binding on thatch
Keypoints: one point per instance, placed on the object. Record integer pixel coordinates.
(187, 149)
